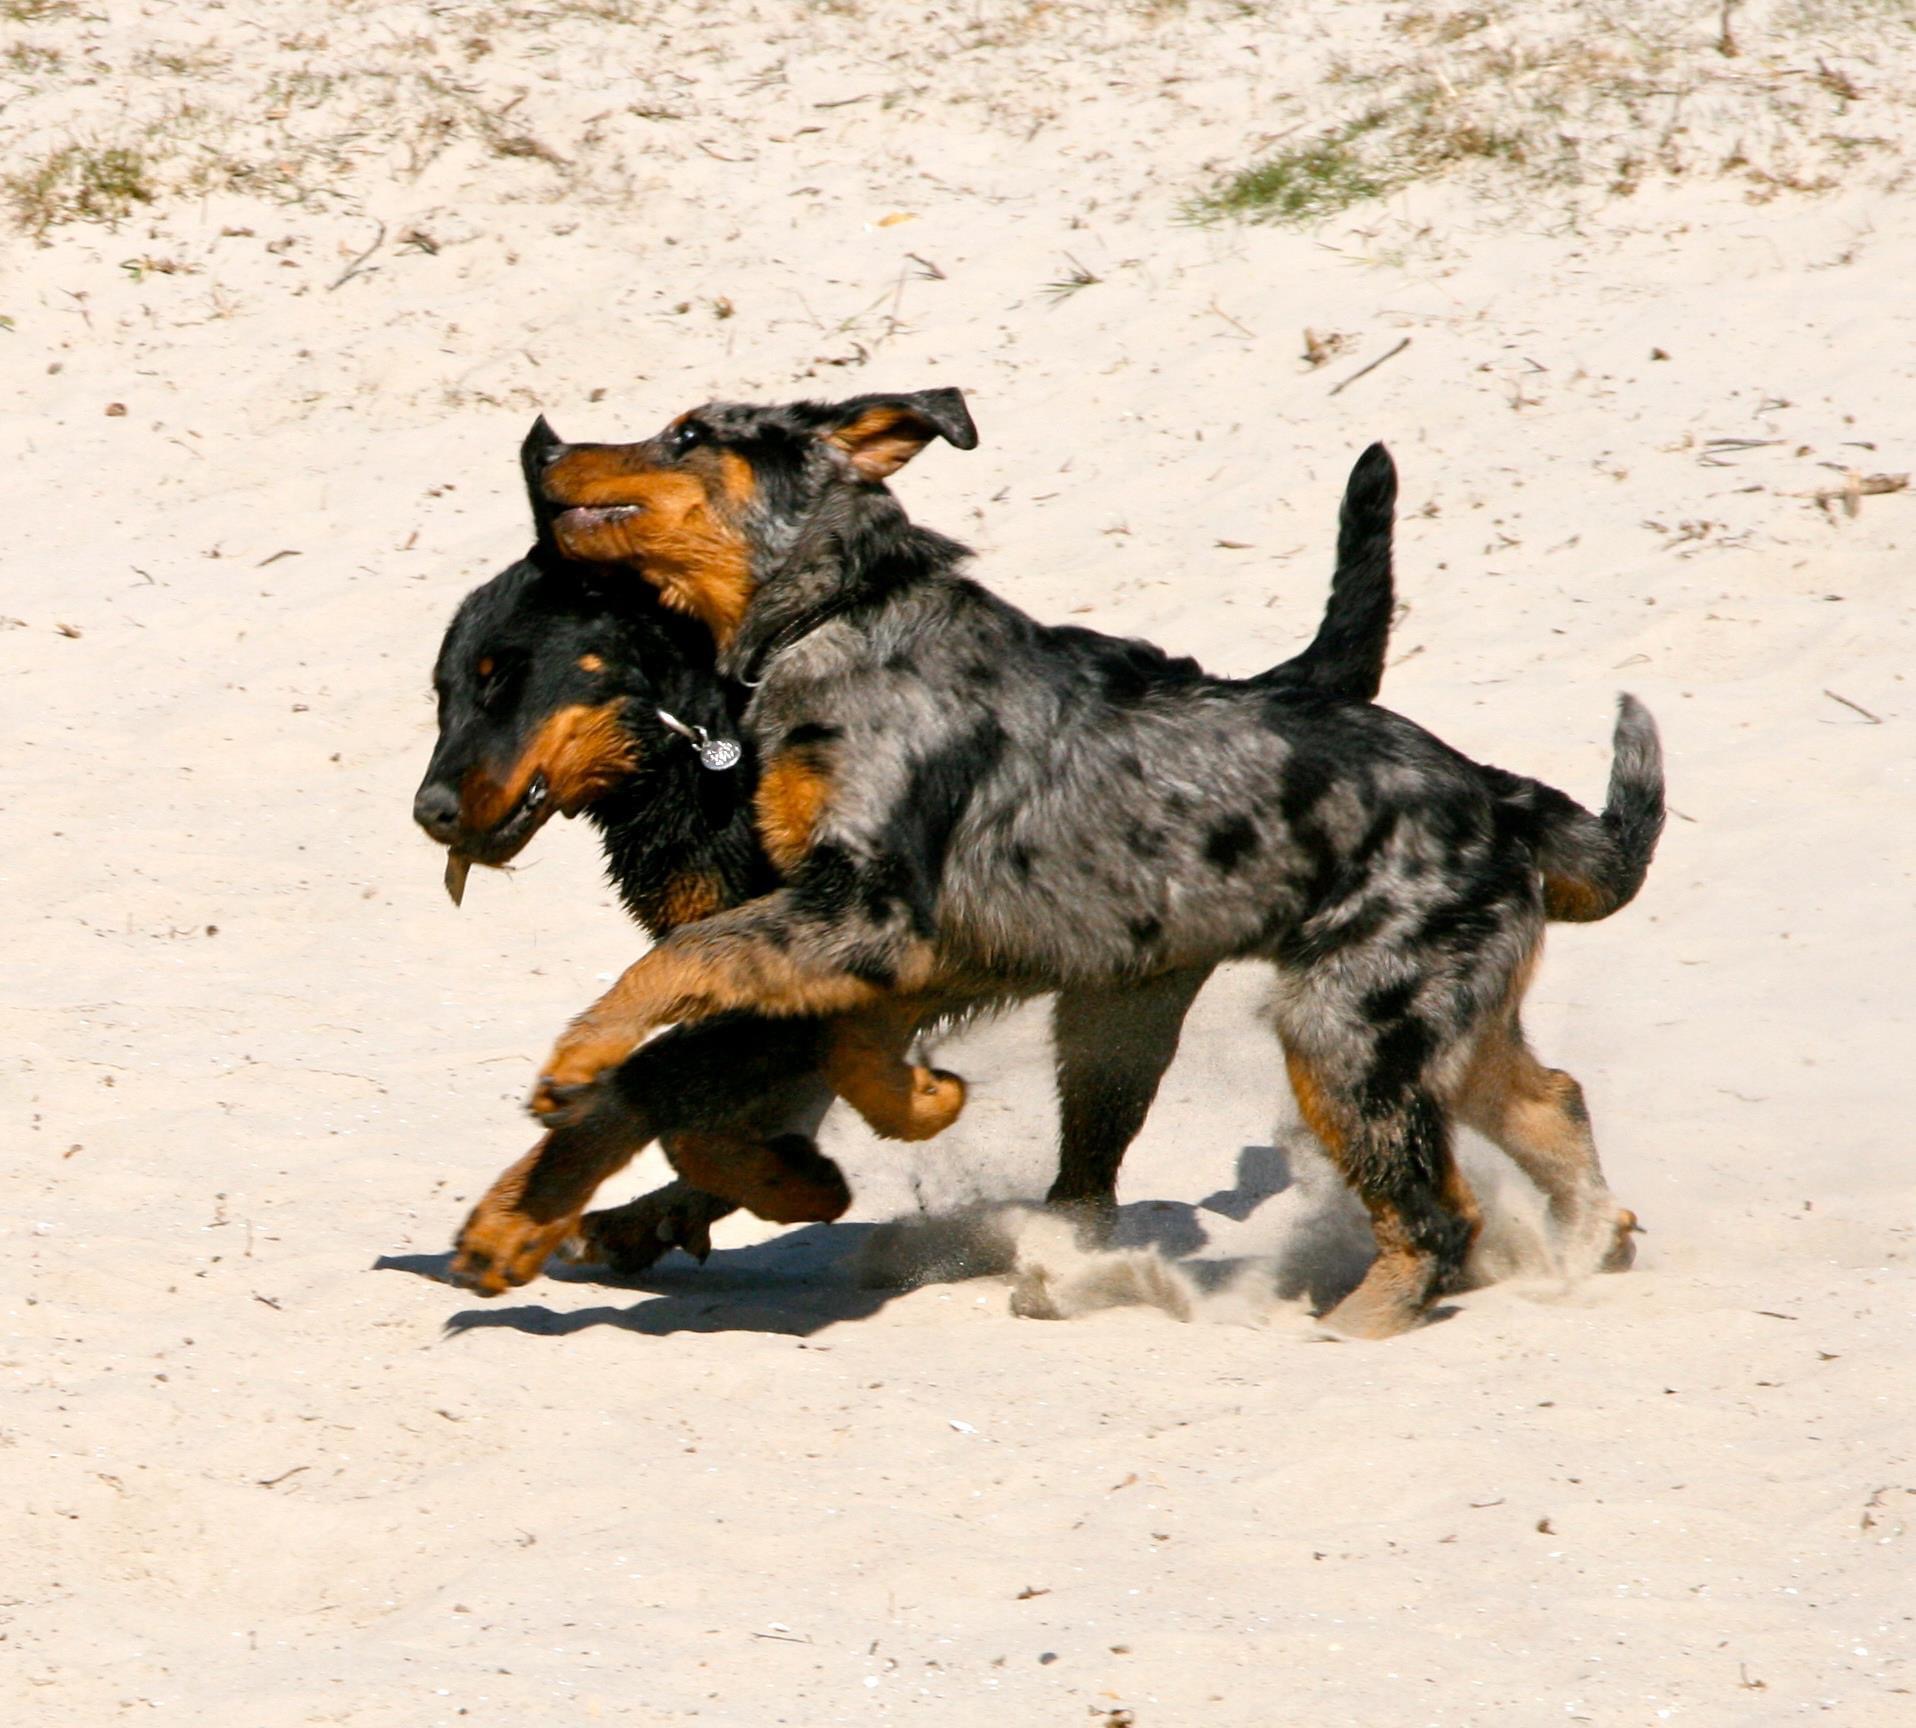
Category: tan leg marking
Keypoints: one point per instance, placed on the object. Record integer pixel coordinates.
(865, 1065)
(502, 1246)
(684, 983)
(1397, 1288)
(1537, 1117)
(785, 1181)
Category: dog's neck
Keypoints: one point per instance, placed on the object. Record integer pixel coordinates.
(857, 547)
(679, 838)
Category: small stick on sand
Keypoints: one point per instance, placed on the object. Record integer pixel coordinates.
(1855, 489)
(353, 268)
(1372, 367)
(1873, 719)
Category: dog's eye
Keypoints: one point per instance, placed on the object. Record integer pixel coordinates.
(689, 435)
(496, 682)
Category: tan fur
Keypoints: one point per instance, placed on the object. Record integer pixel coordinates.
(1570, 901)
(792, 794)
(581, 750)
(672, 984)
(737, 1167)
(866, 1066)
(882, 440)
(688, 897)
(1395, 1289)
(684, 538)
(502, 1244)
(1537, 1117)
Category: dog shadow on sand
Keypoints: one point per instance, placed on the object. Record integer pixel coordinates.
(1286, 1230)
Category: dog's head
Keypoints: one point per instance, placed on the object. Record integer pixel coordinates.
(704, 510)
(549, 681)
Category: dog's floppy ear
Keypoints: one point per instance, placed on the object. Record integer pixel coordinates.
(535, 455)
(882, 433)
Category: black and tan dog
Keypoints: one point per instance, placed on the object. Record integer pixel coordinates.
(563, 685)
(964, 802)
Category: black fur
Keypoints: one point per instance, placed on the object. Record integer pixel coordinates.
(1375, 856)
(666, 819)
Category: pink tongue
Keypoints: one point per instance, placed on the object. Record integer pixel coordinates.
(458, 866)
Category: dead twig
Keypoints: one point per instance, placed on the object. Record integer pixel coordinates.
(1855, 488)
(1873, 719)
(358, 263)
(1372, 367)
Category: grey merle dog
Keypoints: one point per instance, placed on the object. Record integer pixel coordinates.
(963, 802)
(564, 685)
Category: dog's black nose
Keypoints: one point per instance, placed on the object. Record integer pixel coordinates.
(435, 807)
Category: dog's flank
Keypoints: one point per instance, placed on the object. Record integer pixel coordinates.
(681, 842)
(1045, 807)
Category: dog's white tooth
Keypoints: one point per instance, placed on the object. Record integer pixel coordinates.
(458, 867)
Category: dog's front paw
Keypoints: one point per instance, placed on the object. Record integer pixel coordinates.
(1621, 1252)
(500, 1248)
(563, 1097)
(559, 1106)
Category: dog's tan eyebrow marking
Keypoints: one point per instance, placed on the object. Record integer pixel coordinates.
(484, 668)
(591, 663)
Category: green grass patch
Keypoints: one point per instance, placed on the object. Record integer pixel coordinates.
(80, 183)
(1301, 184)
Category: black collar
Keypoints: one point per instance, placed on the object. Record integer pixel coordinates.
(752, 658)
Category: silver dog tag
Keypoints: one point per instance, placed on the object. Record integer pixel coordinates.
(712, 752)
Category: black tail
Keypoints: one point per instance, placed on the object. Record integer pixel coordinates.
(1346, 657)
(1594, 865)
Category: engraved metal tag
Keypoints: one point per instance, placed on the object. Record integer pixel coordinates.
(712, 752)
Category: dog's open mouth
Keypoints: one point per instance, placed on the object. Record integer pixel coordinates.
(584, 518)
(502, 842)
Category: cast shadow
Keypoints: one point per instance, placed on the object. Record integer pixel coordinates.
(798, 1284)
(793, 1286)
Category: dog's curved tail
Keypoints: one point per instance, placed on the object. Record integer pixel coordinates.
(1346, 657)
(1593, 865)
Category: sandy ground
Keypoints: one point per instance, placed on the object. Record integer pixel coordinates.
(262, 1469)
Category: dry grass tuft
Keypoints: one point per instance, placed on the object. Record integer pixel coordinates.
(79, 183)
(1563, 103)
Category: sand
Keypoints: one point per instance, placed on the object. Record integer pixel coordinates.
(261, 1468)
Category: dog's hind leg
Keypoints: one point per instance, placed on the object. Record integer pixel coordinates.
(630, 1238)
(866, 1065)
(1395, 1151)
(1113, 1045)
(782, 1178)
(1537, 1116)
